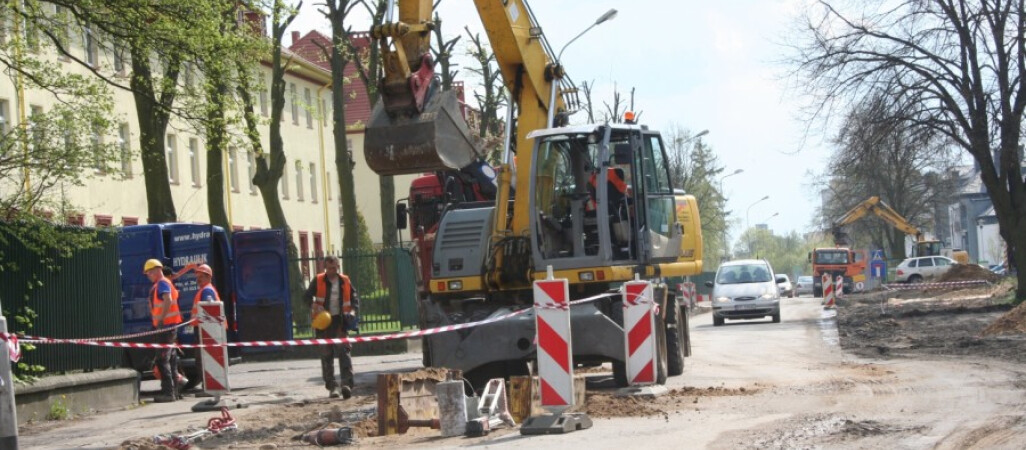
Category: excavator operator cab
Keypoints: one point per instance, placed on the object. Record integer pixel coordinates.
(601, 195)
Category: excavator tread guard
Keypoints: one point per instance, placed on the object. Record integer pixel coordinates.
(436, 139)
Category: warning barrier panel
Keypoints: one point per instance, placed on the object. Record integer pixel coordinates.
(555, 358)
(214, 354)
(839, 287)
(828, 292)
(639, 337)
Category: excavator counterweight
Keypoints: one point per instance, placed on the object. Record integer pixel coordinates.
(435, 139)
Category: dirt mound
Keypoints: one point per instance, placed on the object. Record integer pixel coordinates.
(602, 405)
(1013, 322)
(968, 272)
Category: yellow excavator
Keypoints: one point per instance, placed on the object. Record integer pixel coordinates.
(594, 202)
(874, 205)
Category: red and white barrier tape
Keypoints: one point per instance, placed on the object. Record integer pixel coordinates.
(298, 342)
(903, 286)
(13, 347)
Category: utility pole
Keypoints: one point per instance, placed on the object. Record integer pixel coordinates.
(8, 413)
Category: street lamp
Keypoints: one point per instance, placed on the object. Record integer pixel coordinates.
(770, 217)
(557, 71)
(748, 224)
(723, 193)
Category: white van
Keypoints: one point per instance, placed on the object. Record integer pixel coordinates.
(744, 289)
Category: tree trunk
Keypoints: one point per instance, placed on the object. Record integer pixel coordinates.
(216, 140)
(153, 119)
(350, 224)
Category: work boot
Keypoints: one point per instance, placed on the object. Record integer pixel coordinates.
(334, 393)
(346, 393)
(164, 398)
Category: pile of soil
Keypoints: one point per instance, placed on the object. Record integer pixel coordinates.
(968, 272)
(1014, 322)
(899, 326)
(606, 405)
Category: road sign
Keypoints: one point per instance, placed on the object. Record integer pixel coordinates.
(877, 255)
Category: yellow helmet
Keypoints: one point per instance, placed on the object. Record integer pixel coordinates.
(322, 320)
(150, 264)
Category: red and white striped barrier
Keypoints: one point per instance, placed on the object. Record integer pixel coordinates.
(638, 326)
(687, 293)
(828, 292)
(839, 287)
(10, 337)
(904, 286)
(555, 358)
(214, 355)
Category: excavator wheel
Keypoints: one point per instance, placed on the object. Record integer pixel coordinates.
(675, 342)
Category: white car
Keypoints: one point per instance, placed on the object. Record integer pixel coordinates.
(915, 270)
(785, 286)
(744, 289)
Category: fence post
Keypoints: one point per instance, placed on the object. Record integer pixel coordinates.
(8, 411)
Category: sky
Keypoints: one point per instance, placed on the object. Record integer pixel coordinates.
(696, 65)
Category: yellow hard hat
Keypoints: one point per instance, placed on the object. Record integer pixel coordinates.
(150, 264)
(322, 320)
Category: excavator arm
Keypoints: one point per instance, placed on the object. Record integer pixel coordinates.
(875, 206)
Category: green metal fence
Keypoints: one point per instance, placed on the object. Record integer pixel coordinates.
(384, 280)
(74, 297)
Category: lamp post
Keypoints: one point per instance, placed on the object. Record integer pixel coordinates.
(723, 193)
(748, 224)
(557, 71)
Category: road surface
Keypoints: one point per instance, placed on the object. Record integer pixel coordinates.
(750, 384)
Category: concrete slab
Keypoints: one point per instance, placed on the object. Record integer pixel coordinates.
(652, 391)
(77, 393)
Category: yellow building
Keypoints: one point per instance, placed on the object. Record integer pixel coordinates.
(309, 188)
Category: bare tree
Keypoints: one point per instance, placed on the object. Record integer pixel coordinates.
(493, 96)
(906, 167)
(442, 51)
(956, 68)
(586, 88)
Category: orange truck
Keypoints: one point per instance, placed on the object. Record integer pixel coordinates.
(837, 261)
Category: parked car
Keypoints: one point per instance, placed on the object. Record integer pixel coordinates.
(803, 285)
(744, 289)
(915, 270)
(785, 286)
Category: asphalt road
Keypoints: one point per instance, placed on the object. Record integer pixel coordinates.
(802, 391)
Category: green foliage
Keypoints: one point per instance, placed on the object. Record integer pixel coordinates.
(786, 254)
(58, 409)
(361, 263)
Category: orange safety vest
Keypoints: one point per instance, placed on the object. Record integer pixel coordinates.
(174, 317)
(196, 300)
(322, 291)
(613, 177)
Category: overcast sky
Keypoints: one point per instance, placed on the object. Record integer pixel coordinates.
(698, 65)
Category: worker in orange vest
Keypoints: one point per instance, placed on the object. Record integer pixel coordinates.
(165, 315)
(332, 291)
(206, 292)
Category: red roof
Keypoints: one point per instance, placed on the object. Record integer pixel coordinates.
(311, 48)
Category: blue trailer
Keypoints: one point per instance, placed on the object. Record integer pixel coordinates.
(250, 274)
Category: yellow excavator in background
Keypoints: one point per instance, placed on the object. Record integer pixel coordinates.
(922, 245)
(594, 202)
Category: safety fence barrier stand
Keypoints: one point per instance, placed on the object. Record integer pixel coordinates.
(828, 293)
(555, 361)
(213, 355)
(640, 343)
(8, 413)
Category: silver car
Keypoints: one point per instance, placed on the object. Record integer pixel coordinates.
(803, 286)
(744, 289)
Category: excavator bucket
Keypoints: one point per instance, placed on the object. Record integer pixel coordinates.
(436, 139)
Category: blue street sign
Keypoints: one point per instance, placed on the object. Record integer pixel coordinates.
(877, 255)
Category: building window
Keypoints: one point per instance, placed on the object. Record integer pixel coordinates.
(318, 248)
(283, 184)
(36, 133)
(299, 181)
(308, 105)
(313, 182)
(96, 146)
(304, 254)
(124, 143)
(263, 102)
(119, 59)
(76, 219)
(5, 116)
(172, 159)
(103, 220)
(238, 228)
(251, 171)
(233, 169)
(91, 51)
(60, 32)
(127, 221)
(295, 103)
(194, 164)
